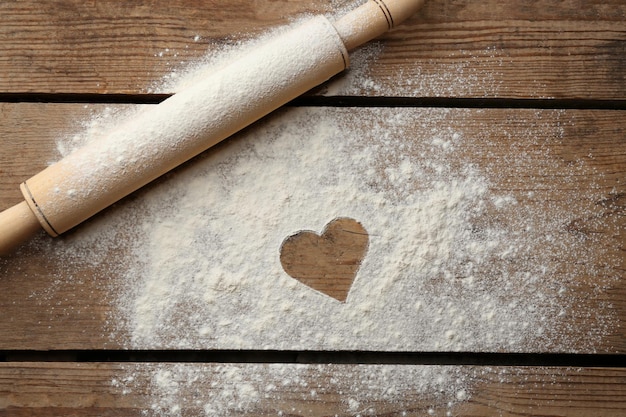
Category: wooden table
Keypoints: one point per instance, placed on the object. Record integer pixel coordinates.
(538, 90)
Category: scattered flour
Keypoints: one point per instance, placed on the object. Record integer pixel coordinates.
(456, 261)
(452, 264)
(280, 389)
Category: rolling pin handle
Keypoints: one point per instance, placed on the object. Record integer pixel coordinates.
(17, 224)
(372, 19)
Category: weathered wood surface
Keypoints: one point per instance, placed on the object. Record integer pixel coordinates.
(571, 49)
(85, 389)
(561, 160)
(539, 49)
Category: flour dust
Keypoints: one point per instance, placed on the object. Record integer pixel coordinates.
(458, 260)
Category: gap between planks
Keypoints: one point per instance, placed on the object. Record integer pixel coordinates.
(320, 357)
(339, 101)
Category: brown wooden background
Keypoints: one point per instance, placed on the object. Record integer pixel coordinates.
(506, 59)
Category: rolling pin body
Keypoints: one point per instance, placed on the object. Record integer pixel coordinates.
(160, 138)
(189, 122)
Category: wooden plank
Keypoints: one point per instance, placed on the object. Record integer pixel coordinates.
(563, 169)
(451, 49)
(74, 46)
(81, 389)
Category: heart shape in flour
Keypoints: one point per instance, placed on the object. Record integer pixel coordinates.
(328, 263)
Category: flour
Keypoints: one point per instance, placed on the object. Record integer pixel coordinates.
(247, 198)
(455, 261)
(290, 389)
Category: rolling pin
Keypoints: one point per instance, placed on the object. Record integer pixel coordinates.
(162, 137)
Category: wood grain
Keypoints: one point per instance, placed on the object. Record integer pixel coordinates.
(572, 49)
(327, 262)
(82, 389)
(549, 160)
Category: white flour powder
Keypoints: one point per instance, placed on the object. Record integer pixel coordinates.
(283, 390)
(451, 264)
(456, 261)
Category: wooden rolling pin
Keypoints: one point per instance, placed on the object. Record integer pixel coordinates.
(191, 121)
